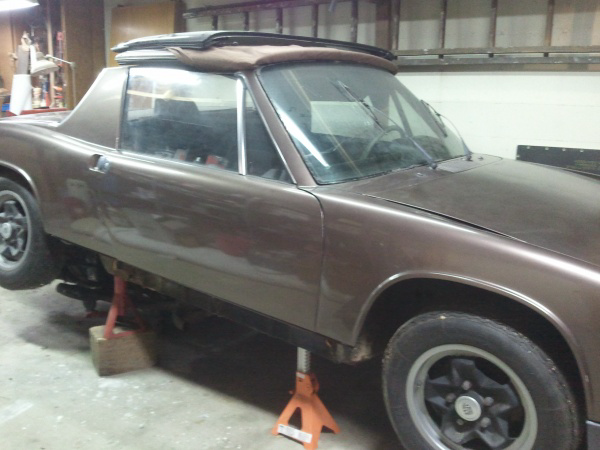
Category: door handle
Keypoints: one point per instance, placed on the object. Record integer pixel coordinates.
(100, 164)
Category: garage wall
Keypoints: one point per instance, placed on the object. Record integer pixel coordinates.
(295, 21)
(12, 26)
(499, 107)
(7, 45)
(332, 25)
(81, 22)
(520, 23)
(496, 111)
(496, 108)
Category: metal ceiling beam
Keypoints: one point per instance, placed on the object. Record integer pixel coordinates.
(396, 4)
(493, 23)
(498, 50)
(238, 8)
(498, 60)
(354, 21)
(442, 26)
(549, 23)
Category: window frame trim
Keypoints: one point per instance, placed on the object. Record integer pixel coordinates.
(241, 126)
(244, 78)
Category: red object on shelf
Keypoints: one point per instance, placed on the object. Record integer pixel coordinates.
(26, 112)
(41, 111)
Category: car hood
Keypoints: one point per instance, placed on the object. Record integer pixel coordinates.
(543, 206)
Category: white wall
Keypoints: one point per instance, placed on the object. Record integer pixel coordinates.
(496, 111)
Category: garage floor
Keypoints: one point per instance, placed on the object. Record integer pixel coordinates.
(217, 386)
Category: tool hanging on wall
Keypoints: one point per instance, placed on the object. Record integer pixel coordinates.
(314, 414)
(21, 56)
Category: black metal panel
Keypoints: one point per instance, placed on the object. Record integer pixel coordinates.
(481, 51)
(206, 39)
(593, 435)
(499, 55)
(575, 159)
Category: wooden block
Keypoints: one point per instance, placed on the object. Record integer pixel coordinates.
(122, 354)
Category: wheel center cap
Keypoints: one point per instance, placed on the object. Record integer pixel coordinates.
(467, 408)
(6, 230)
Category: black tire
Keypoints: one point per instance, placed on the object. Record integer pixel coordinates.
(26, 258)
(454, 381)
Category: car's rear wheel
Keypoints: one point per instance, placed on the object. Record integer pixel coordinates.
(459, 381)
(26, 260)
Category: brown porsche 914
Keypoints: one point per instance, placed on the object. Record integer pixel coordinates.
(295, 185)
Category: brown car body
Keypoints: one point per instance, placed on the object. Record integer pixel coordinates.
(329, 260)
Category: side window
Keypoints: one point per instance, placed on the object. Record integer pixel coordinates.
(263, 159)
(182, 115)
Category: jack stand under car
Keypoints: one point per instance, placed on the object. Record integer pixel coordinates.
(314, 414)
(116, 349)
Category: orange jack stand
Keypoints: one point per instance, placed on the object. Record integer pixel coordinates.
(121, 304)
(313, 412)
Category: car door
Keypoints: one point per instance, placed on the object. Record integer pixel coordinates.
(200, 195)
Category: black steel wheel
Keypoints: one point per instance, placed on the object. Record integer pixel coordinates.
(459, 381)
(26, 260)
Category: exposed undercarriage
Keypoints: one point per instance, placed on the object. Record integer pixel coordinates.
(88, 277)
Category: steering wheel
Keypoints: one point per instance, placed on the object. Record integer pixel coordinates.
(369, 148)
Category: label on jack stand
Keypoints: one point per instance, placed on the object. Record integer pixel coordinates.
(294, 433)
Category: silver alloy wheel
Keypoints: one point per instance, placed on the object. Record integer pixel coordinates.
(14, 230)
(498, 409)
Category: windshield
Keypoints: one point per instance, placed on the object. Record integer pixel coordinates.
(351, 122)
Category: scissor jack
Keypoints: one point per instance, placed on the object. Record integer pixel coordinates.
(124, 350)
(313, 413)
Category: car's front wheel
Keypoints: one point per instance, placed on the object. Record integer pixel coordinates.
(459, 381)
(26, 260)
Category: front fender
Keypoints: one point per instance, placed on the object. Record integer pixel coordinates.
(7, 168)
(371, 245)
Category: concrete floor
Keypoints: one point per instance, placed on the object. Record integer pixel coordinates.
(217, 386)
